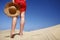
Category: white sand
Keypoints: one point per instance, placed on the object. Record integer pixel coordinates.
(51, 33)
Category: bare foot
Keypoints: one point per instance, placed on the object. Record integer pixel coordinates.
(21, 34)
(12, 35)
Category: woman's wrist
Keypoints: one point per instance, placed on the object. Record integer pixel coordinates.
(13, 1)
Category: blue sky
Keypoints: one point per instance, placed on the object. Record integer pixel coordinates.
(39, 14)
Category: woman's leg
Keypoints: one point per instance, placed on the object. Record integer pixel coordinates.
(22, 23)
(14, 20)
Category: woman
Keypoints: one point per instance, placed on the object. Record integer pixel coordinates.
(22, 4)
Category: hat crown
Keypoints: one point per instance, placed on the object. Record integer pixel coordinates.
(12, 10)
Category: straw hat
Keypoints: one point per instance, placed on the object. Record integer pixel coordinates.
(11, 9)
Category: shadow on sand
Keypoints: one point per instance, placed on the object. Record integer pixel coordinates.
(12, 35)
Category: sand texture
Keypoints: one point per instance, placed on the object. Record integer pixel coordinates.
(50, 33)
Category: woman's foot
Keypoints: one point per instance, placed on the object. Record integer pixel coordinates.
(12, 35)
(21, 34)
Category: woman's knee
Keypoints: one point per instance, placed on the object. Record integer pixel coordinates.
(23, 17)
(14, 18)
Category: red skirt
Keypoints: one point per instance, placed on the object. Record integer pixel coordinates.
(22, 4)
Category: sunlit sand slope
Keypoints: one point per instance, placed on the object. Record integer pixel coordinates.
(51, 33)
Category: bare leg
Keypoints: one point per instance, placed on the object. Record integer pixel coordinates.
(14, 20)
(22, 23)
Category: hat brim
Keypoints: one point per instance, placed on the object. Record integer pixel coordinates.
(6, 10)
(8, 14)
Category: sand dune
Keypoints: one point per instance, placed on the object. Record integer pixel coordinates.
(51, 33)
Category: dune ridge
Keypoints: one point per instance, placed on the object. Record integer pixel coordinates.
(50, 33)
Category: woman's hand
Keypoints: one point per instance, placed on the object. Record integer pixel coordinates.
(13, 1)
